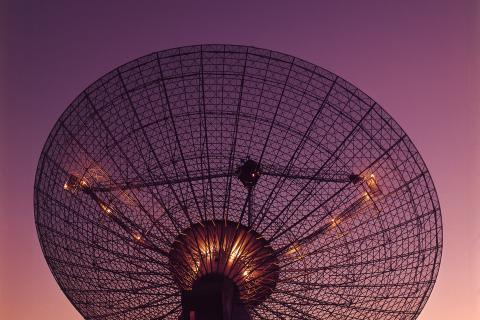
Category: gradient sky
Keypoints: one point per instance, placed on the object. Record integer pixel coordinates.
(418, 59)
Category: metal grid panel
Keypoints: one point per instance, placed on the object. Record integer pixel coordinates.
(157, 142)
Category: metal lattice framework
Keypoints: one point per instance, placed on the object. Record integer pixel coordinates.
(342, 200)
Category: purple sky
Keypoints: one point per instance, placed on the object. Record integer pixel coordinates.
(420, 61)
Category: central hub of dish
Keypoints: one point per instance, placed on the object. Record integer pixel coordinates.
(229, 250)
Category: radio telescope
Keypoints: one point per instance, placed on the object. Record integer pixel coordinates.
(231, 182)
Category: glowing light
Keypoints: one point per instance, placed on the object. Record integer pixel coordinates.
(225, 248)
(335, 222)
(206, 250)
(372, 184)
(72, 183)
(105, 208)
(294, 248)
(235, 252)
(137, 236)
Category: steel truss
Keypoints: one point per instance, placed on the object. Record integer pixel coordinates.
(157, 146)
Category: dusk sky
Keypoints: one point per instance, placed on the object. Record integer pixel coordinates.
(418, 59)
